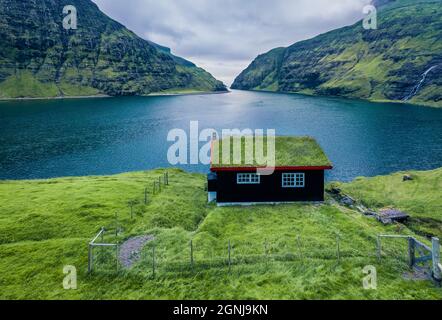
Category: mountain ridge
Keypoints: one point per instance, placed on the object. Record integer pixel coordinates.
(40, 59)
(386, 64)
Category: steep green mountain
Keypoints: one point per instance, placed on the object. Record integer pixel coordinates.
(399, 61)
(39, 58)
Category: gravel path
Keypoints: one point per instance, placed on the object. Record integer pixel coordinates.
(418, 273)
(130, 250)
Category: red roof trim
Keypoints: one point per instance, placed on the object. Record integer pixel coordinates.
(289, 168)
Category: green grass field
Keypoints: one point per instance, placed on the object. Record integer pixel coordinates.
(278, 252)
(421, 197)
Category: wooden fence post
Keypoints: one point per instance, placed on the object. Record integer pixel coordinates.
(230, 262)
(153, 260)
(159, 184)
(191, 254)
(89, 260)
(411, 251)
(338, 252)
(117, 251)
(116, 224)
(265, 248)
(437, 272)
(379, 247)
(154, 187)
(300, 248)
(145, 196)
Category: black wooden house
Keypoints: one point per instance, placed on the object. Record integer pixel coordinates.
(298, 175)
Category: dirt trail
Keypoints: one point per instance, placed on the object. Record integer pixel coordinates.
(130, 250)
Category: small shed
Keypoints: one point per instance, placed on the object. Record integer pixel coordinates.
(389, 215)
(298, 174)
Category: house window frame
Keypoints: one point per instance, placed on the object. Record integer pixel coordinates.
(293, 180)
(246, 178)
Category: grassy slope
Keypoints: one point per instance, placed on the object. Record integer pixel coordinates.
(25, 85)
(377, 65)
(46, 224)
(39, 59)
(421, 198)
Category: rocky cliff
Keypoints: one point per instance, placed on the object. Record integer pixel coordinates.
(40, 58)
(399, 61)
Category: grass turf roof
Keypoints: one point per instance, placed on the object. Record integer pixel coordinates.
(289, 152)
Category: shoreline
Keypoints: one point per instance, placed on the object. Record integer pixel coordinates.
(421, 104)
(184, 94)
(107, 96)
(178, 169)
(53, 98)
(177, 94)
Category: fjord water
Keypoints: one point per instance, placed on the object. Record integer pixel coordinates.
(97, 136)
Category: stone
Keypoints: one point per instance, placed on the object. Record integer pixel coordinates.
(385, 220)
(361, 208)
(348, 201)
(335, 190)
(393, 214)
(370, 213)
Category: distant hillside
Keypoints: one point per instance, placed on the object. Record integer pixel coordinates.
(39, 58)
(400, 61)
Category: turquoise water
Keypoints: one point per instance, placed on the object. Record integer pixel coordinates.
(43, 139)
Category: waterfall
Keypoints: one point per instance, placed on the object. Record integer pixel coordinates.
(419, 85)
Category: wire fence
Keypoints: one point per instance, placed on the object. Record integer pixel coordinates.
(104, 248)
(417, 255)
(153, 259)
(103, 251)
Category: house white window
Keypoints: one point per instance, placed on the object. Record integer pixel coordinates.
(248, 178)
(293, 180)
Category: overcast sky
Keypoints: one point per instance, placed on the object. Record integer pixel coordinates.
(224, 36)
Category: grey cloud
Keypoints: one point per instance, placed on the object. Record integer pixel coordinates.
(224, 36)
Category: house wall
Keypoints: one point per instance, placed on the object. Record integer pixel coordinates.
(212, 182)
(270, 189)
